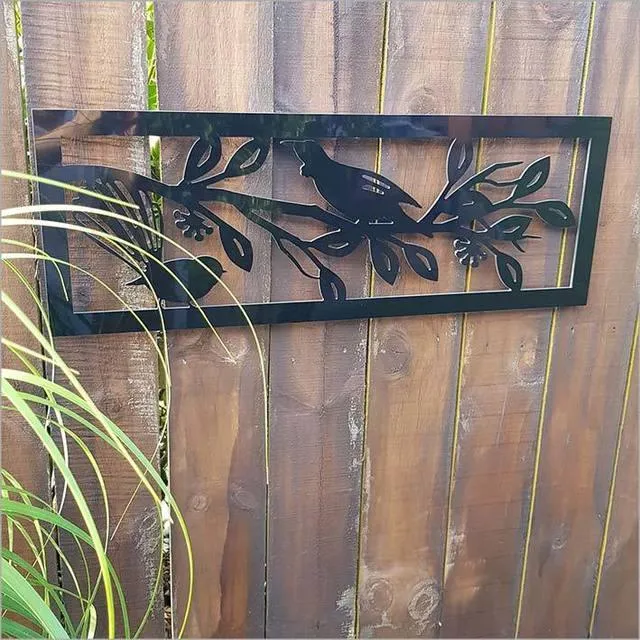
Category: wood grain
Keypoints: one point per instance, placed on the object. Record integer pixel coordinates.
(217, 56)
(22, 453)
(536, 46)
(326, 59)
(414, 360)
(616, 614)
(591, 348)
(90, 54)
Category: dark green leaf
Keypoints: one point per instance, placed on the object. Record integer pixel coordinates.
(422, 261)
(384, 260)
(555, 213)
(532, 178)
(336, 243)
(458, 160)
(510, 271)
(510, 228)
(237, 247)
(203, 157)
(247, 158)
(331, 286)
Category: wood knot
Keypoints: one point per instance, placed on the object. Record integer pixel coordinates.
(424, 100)
(379, 594)
(394, 355)
(199, 502)
(553, 13)
(424, 601)
(241, 498)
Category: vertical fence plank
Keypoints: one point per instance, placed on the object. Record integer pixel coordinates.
(538, 53)
(326, 58)
(616, 607)
(22, 453)
(590, 348)
(414, 360)
(92, 54)
(217, 57)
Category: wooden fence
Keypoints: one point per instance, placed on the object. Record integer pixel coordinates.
(429, 476)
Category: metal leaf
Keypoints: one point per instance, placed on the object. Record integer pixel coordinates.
(336, 244)
(384, 260)
(237, 247)
(555, 213)
(510, 228)
(248, 158)
(331, 286)
(203, 158)
(532, 178)
(510, 271)
(468, 205)
(458, 160)
(422, 261)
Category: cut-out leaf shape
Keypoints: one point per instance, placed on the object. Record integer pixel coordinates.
(248, 158)
(422, 261)
(384, 260)
(237, 247)
(336, 243)
(458, 160)
(331, 286)
(510, 271)
(510, 228)
(555, 213)
(532, 178)
(203, 158)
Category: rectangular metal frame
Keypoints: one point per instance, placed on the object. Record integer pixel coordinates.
(52, 125)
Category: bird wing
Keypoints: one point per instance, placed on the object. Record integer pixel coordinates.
(383, 187)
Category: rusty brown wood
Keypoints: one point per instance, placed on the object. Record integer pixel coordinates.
(588, 368)
(616, 599)
(92, 54)
(217, 56)
(22, 453)
(326, 58)
(503, 355)
(411, 395)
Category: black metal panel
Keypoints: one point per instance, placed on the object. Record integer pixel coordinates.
(362, 207)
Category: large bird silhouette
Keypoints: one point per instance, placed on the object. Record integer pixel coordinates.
(358, 194)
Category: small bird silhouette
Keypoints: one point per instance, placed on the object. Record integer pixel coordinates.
(194, 277)
(191, 277)
(358, 194)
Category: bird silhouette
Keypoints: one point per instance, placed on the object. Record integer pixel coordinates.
(358, 194)
(192, 278)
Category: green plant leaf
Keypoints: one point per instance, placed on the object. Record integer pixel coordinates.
(14, 580)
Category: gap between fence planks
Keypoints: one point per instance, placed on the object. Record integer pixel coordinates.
(414, 360)
(591, 347)
(92, 55)
(217, 57)
(503, 355)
